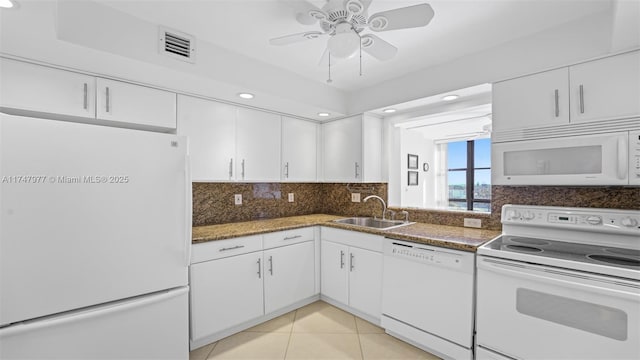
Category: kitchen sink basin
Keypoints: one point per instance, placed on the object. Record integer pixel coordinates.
(372, 222)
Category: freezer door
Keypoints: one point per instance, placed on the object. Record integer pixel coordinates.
(89, 214)
(148, 327)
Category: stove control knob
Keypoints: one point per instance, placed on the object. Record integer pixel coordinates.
(528, 215)
(629, 222)
(513, 214)
(594, 220)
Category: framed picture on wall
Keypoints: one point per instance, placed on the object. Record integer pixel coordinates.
(412, 161)
(412, 177)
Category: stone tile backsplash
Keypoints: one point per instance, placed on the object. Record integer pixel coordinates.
(213, 203)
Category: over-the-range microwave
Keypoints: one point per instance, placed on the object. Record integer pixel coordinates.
(597, 159)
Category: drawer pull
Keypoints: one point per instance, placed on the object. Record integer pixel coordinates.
(292, 237)
(232, 248)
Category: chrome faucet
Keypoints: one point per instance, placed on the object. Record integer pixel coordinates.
(384, 205)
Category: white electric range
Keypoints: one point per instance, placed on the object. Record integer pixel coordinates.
(560, 283)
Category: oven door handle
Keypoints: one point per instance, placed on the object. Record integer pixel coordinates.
(565, 279)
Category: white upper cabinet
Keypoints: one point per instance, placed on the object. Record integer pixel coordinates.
(352, 150)
(228, 143)
(607, 88)
(38, 88)
(299, 150)
(134, 104)
(67, 95)
(257, 146)
(211, 128)
(534, 100)
(598, 90)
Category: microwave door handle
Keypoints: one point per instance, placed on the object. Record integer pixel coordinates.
(622, 158)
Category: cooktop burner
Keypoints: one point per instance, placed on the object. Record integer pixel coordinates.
(529, 249)
(594, 254)
(616, 260)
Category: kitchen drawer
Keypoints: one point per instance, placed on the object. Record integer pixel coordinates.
(224, 248)
(353, 238)
(288, 237)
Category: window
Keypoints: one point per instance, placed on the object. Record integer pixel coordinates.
(469, 175)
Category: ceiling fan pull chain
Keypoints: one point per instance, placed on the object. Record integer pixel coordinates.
(360, 54)
(329, 79)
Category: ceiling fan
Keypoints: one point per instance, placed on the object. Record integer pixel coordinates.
(343, 22)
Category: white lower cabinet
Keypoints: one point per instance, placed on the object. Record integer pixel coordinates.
(219, 300)
(351, 270)
(289, 275)
(236, 284)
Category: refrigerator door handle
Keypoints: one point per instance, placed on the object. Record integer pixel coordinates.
(188, 211)
(99, 311)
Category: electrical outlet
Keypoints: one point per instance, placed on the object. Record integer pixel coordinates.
(291, 199)
(474, 223)
(355, 197)
(237, 199)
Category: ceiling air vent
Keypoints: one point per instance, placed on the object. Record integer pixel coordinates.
(177, 45)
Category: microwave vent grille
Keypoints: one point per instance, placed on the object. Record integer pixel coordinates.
(547, 132)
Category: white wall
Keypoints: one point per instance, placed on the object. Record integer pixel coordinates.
(573, 42)
(422, 195)
(91, 37)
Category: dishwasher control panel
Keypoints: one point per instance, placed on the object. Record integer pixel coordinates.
(424, 254)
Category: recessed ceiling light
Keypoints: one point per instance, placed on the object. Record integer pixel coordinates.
(450, 97)
(323, 114)
(7, 4)
(246, 95)
(389, 110)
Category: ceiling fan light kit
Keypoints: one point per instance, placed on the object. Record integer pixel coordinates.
(344, 20)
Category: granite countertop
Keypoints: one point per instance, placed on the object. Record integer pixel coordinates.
(454, 237)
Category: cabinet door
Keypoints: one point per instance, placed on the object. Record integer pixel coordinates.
(258, 146)
(225, 292)
(31, 87)
(134, 104)
(365, 281)
(299, 142)
(606, 89)
(532, 101)
(333, 267)
(211, 128)
(289, 275)
(342, 150)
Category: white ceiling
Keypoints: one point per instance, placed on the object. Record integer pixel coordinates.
(458, 28)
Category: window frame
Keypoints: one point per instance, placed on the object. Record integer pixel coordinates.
(469, 178)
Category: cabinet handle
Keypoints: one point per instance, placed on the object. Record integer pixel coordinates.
(242, 169)
(581, 99)
(286, 170)
(292, 237)
(271, 265)
(108, 98)
(557, 103)
(357, 168)
(85, 99)
(231, 248)
(259, 269)
(351, 265)
(231, 169)
(341, 259)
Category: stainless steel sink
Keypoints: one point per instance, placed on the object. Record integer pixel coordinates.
(372, 222)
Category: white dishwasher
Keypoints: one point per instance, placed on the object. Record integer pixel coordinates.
(427, 297)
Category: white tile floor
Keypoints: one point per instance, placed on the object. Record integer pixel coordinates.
(316, 331)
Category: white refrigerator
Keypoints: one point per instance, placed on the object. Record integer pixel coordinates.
(95, 241)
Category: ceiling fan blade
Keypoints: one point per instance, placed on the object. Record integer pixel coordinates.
(306, 13)
(402, 18)
(294, 38)
(378, 48)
